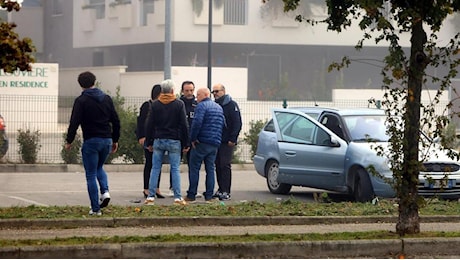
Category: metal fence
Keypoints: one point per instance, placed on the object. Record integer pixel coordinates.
(50, 116)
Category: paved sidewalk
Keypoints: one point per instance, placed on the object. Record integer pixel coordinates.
(101, 227)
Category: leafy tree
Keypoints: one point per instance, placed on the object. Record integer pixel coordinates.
(404, 75)
(14, 52)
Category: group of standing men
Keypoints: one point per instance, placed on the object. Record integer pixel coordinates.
(199, 128)
(203, 130)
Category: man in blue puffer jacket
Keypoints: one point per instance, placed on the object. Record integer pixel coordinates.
(206, 136)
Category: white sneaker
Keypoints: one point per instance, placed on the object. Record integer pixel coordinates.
(149, 201)
(105, 199)
(180, 201)
(92, 213)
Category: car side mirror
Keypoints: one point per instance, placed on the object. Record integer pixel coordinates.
(334, 142)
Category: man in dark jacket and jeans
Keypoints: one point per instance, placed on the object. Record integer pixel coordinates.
(168, 128)
(230, 134)
(95, 112)
(205, 135)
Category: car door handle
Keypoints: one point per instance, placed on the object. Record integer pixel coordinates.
(290, 153)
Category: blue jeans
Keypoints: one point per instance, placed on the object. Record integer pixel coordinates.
(174, 150)
(94, 152)
(207, 153)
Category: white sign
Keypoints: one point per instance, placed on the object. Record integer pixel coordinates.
(41, 80)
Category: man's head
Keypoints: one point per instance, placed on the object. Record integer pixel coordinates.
(167, 86)
(86, 79)
(187, 89)
(202, 93)
(218, 90)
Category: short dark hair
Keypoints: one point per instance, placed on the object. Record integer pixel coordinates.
(156, 90)
(86, 79)
(186, 83)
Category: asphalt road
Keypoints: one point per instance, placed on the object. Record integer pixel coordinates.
(69, 188)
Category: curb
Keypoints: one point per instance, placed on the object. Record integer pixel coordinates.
(108, 167)
(388, 248)
(375, 248)
(207, 221)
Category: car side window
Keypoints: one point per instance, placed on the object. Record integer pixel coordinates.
(295, 128)
(270, 126)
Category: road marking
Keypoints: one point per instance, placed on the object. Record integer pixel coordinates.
(29, 201)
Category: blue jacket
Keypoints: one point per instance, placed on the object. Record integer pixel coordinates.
(208, 123)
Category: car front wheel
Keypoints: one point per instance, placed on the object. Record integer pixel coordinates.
(271, 174)
(362, 190)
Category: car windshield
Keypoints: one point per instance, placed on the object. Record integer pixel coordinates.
(364, 128)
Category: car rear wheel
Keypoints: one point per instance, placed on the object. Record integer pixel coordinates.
(271, 174)
(362, 190)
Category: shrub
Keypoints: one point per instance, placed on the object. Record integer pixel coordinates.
(252, 136)
(29, 145)
(73, 155)
(129, 150)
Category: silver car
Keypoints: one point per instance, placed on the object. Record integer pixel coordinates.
(330, 149)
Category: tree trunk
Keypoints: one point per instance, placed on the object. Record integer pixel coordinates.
(409, 221)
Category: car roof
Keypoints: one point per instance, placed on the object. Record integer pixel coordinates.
(340, 111)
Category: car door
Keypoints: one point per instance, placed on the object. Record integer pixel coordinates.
(307, 157)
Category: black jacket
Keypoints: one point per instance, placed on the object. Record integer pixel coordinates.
(95, 112)
(167, 120)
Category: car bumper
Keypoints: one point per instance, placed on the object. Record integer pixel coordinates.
(259, 164)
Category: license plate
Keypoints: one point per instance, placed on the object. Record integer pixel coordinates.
(440, 184)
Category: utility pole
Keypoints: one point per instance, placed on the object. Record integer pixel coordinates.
(210, 45)
(167, 47)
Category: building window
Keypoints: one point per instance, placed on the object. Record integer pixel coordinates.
(147, 7)
(235, 12)
(57, 7)
(99, 6)
(98, 58)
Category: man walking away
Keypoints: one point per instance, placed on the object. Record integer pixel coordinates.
(230, 134)
(95, 112)
(205, 134)
(168, 128)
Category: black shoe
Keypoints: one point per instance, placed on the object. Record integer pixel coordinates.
(159, 196)
(225, 196)
(217, 194)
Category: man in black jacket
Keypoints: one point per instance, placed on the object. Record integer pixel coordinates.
(230, 134)
(95, 112)
(168, 128)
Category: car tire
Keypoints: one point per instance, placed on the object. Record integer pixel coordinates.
(271, 174)
(362, 189)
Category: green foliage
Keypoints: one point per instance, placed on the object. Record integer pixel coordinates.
(403, 79)
(449, 137)
(29, 145)
(128, 148)
(14, 52)
(252, 136)
(73, 155)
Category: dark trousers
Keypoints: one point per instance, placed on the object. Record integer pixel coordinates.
(224, 167)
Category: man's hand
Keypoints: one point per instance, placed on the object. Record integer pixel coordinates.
(231, 144)
(186, 149)
(114, 147)
(67, 146)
